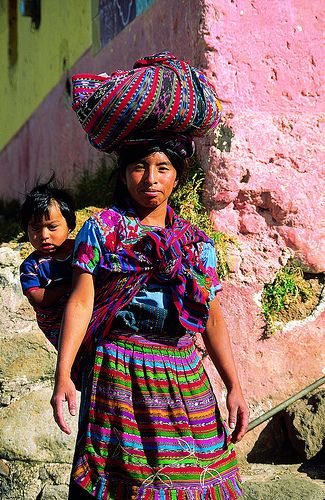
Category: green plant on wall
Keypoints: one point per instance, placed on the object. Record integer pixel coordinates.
(93, 191)
(287, 292)
(187, 202)
(95, 188)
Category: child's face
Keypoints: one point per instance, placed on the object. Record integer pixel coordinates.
(48, 234)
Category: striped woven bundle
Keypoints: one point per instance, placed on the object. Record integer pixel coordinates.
(160, 97)
(154, 431)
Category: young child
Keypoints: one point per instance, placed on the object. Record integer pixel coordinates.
(47, 217)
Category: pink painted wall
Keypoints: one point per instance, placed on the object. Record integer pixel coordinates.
(267, 66)
(266, 60)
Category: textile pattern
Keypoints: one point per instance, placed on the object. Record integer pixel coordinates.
(154, 429)
(129, 254)
(46, 271)
(160, 95)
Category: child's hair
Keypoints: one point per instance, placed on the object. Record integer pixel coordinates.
(38, 200)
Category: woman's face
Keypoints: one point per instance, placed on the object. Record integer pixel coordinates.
(151, 180)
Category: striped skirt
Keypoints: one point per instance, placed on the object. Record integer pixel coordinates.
(153, 429)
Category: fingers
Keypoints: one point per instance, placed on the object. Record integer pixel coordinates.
(240, 426)
(232, 420)
(72, 406)
(60, 396)
(57, 404)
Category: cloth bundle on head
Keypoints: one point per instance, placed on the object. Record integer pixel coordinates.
(161, 98)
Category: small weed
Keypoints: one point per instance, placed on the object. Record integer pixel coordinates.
(187, 202)
(96, 187)
(289, 289)
(224, 136)
(10, 229)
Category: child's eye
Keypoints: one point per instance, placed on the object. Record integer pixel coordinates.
(53, 228)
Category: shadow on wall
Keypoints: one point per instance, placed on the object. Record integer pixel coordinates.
(283, 441)
(273, 445)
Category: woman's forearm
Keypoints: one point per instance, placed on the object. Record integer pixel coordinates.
(75, 322)
(74, 326)
(217, 342)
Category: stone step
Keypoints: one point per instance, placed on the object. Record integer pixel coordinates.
(283, 482)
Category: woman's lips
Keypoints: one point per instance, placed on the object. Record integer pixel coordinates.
(151, 193)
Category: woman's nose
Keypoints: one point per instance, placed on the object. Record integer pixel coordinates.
(151, 175)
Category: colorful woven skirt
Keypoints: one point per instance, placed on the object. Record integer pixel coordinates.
(153, 429)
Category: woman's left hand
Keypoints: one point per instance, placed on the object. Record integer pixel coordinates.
(238, 414)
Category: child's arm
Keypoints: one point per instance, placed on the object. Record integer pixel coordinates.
(217, 342)
(74, 326)
(47, 297)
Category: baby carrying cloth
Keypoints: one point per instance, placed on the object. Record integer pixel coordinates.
(124, 255)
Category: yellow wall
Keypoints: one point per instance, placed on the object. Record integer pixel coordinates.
(43, 56)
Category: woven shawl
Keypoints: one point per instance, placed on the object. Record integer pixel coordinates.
(131, 257)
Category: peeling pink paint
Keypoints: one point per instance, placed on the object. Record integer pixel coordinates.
(266, 59)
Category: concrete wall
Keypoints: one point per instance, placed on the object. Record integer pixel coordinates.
(32, 61)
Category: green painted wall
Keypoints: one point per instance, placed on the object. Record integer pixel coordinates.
(43, 56)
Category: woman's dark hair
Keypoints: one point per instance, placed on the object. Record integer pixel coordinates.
(38, 200)
(133, 154)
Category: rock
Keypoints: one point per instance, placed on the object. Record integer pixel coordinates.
(305, 421)
(283, 489)
(309, 245)
(279, 482)
(28, 431)
(29, 356)
(23, 483)
(10, 258)
(11, 296)
(54, 492)
(4, 468)
(31, 481)
(251, 223)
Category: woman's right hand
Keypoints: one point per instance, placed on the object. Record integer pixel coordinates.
(75, 321)
(64, 390)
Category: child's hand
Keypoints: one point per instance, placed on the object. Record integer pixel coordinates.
(64, 390)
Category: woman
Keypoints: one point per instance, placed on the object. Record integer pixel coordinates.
(144, 282)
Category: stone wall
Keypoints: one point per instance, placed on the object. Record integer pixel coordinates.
(35, 456)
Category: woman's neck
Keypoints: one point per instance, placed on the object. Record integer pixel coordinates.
(152, 216)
